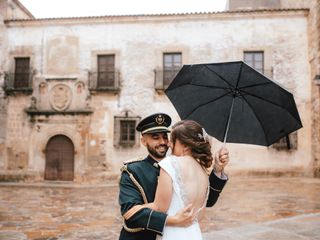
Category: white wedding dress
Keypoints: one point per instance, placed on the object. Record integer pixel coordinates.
(186, 175)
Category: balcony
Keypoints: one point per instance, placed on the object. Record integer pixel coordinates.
(163, 78)
(18, 82)
(104, 81)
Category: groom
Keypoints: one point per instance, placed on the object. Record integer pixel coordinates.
(139, 179)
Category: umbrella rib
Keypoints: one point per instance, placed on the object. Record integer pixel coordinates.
(264, 131)
(239, 75)
(219, 76)
(206, 104)
(255, 85)
(198, 85)
(253, 95)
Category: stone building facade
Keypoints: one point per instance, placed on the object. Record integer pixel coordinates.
(74, 88)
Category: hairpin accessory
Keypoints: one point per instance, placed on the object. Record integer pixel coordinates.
(205, 135)
(200, 136)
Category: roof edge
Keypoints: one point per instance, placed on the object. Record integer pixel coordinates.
(156, 15)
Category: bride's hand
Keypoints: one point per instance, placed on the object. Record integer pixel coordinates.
(183, 218)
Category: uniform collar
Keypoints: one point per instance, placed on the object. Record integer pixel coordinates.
(152, 161)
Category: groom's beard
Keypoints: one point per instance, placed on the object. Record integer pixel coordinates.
(158, 151)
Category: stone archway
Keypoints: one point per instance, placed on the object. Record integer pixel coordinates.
(59, 159)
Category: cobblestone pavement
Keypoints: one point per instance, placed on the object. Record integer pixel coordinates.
(249, 208)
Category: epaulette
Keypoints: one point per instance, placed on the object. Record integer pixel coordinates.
(124, 168)
(133, 160)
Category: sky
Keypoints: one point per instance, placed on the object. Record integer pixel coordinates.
(76, 8)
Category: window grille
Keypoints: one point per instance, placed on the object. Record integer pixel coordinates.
(125, 134)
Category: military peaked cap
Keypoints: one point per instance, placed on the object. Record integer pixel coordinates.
(154, 123)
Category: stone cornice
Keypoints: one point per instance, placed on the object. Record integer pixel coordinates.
(157, 17)
(35, 112)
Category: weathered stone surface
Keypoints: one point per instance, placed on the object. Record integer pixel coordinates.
(285, 229)
(12, 235)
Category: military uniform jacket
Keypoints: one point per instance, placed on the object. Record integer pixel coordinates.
(138, 184)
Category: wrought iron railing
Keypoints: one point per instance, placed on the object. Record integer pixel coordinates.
(18, 82)
(104, 81)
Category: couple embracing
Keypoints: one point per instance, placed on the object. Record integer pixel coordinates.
(165, 197)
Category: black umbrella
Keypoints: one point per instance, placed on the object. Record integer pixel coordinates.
(234, 103)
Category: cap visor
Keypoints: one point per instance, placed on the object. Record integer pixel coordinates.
(157, 131)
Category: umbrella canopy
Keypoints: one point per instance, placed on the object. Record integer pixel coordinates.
(234, 103)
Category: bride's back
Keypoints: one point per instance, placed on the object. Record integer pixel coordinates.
(193, 181)
(193, 151)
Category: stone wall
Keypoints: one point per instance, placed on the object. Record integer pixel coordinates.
(314, 60)
(17, 135)
(3, 100)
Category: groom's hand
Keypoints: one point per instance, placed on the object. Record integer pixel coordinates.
(183, 218)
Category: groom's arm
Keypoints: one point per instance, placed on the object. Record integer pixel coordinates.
(145, 219)
(217, 178)
(216, 186)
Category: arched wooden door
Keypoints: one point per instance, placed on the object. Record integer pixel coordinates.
(59, 159)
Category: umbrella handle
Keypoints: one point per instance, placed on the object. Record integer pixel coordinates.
(227, 128)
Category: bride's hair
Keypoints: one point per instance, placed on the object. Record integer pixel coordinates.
(190, 133)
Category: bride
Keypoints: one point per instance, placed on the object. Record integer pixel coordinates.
(183, 179)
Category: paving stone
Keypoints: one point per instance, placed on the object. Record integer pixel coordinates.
(249, 208)
(12, 236)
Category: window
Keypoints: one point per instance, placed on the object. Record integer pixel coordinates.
(125, 134)
(106, 71)
(255, 59)
(22, 73)
(172, 63)
(289, 142)
(127, 131)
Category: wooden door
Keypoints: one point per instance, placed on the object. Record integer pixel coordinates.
(59, 159)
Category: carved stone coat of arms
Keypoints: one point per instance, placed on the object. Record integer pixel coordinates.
(60, 97)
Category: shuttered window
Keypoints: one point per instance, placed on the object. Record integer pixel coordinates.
(289, 142)
(106, 71)
(125, 134)
(22, 72)
(172, 63)
(255, 59)
(127, 131)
